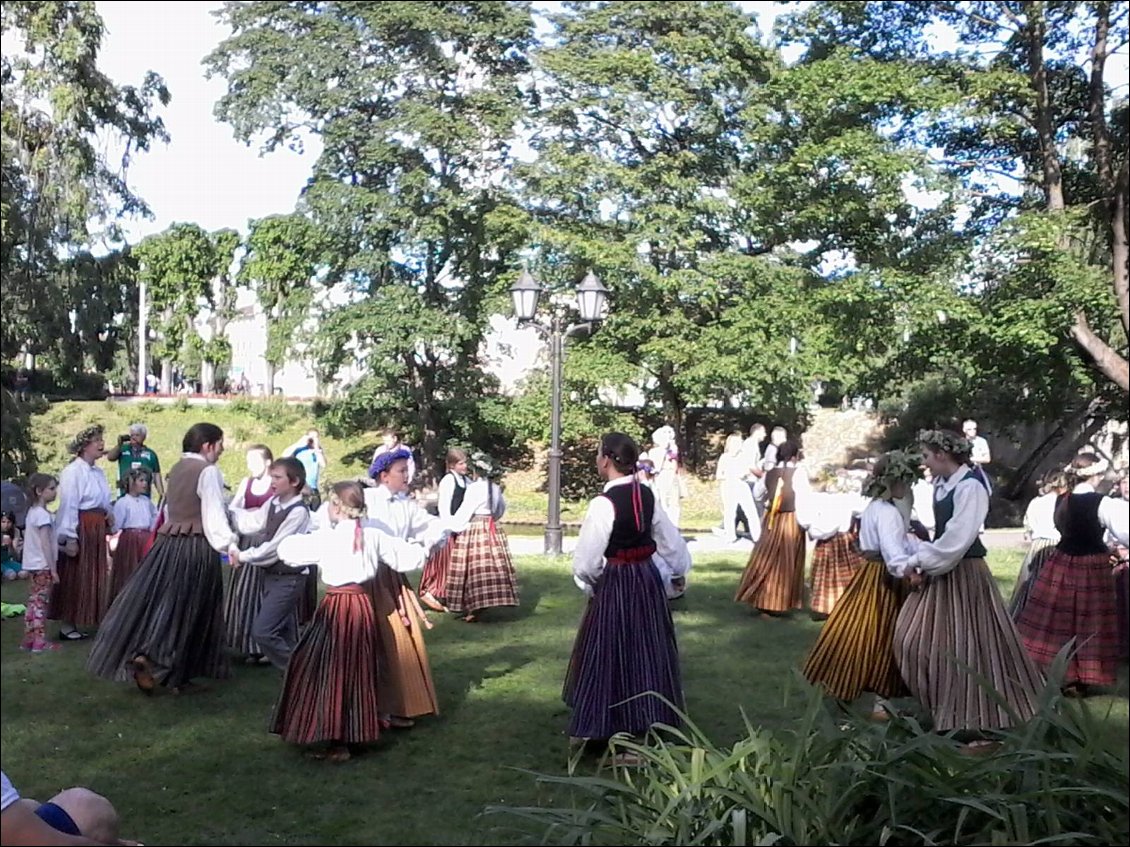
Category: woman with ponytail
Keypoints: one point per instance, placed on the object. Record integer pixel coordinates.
(624, 672)
(329, 694)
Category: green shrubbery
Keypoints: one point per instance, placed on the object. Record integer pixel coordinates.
(843, 779)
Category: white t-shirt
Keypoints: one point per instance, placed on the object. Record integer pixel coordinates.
(10, 793)
(39, 553)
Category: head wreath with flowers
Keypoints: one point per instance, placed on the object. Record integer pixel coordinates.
(891, 468)
(354, 513)
(386, 460)
(946, 441)
(485, 465)
(85, 437)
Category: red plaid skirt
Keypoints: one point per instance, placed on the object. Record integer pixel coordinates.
(481, 573)
(82, 595)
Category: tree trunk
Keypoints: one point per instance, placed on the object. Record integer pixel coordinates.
(1091, 418)
(1035, 33)
(166, 376)
(269, 387)
(207, 377)
(1113, 366)
(672, 406)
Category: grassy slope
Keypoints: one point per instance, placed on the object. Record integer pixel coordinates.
(203, 770)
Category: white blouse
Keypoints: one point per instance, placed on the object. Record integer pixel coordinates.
(1039, 517)
(884, 530)
(134, 512)
(81, 487)
(478, 502)
(970, 507)
(331, 549)
(826, 514)
(596, 530)
(1114, 515)
(401, 517)
(253, 521)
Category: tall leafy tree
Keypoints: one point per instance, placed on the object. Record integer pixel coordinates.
(415, 105)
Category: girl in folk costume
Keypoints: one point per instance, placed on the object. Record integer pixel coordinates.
(954, 634)
(773, 581)
(735, 491)
(167, 625)
(667, 477)
(275, 628)
(831, 521)
(404, 676)
(41, 553)
(84, 519)
(1072, 596)
(452, 490)
(625, 646)
(481, 574)
(854, 652)
(134, 516)
(1039, 525)
(329, 695)
(245, 588)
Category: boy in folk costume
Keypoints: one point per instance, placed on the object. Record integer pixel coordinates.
(831, 521)
(481, 574)
(167, 625)
(625, 646)
(1073, 594)
(452, 491)
(134, 516)
(953, 630)
(854, 652)
(404, 675)
(85, 517)
(275, 629)
(330, 693)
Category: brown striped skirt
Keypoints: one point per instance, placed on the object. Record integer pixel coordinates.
(330, 689)
(773, 580)
(404, 675)
(82, 595)
(1073, 598)
(481, 573)
(433, 579)
(835, 561)
(1038, 553)
(127, 556)
(950, 633)
(855, 650)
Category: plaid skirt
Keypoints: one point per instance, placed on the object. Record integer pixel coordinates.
(404, 674)
(953, 637)
(855, 650)
(480, 574)
(1073, 597)
(127, 556)
(330, 689)
(773, 580)
(82, 595)
(835, 561)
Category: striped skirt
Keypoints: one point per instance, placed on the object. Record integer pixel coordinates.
(625, 648)
(170, 611)
(954, 630)
(480, 574)
(83, 592)
(835, 562)
(774, 577)
(1038, 553)
(127, 556)
(855, 650)
(241, 605)
(330, 689)
(1073, 597)
(433, 580)
(404, 675)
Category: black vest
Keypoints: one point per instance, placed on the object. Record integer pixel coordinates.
(783, 474)
(1081, 532)
(459, 493)
(943, 511)
(625, 534)
(276, 514)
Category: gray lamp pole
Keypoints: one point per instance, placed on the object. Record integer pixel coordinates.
(591, 295)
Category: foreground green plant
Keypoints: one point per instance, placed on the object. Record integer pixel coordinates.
(840, 778)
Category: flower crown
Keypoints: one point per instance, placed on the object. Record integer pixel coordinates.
(893, 467)
(945, 441)
(85, 436)
(351, 512)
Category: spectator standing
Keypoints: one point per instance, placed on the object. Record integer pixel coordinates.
(390, 443)
(308, 451)
(131, 454)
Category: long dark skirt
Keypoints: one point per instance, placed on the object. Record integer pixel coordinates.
(625, 648)
(83, 592)
(308, 601)
(855, 650)
(171, 611)
(241, 605)
(330, 689)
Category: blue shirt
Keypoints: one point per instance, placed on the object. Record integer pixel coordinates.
(308, 456)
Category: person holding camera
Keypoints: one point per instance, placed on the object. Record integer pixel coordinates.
(131, 453)
(308, 451)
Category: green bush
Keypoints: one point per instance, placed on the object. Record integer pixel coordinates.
(843, 779)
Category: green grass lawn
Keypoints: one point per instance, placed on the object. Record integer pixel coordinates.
(203, 769)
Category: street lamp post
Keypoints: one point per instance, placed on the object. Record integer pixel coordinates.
(591, 296)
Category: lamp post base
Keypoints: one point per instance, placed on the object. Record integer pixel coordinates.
(553, 541)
